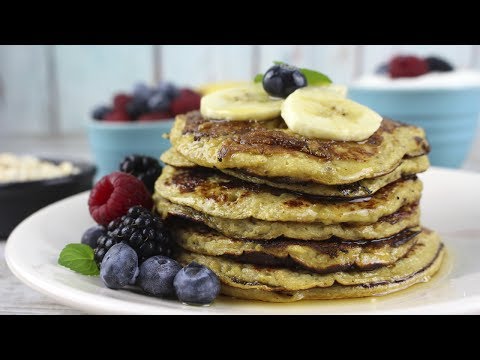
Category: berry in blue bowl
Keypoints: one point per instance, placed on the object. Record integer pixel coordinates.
(135, 123)
(429, 93)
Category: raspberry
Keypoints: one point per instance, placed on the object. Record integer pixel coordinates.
(120, 101)
(158, 115)
(114, 194)
(117, 115)
(186, 101)
(407, 66)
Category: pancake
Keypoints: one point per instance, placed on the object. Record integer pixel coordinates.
(361, 188)
(174, 158)
(269, 149)
(317, 256)
(219, 195)
(407, 216)
(284, 285)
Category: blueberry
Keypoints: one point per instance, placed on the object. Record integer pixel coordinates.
(282, 80)
(100, 111)
(159, 101)
(91, 235)
(382, 69)
(137, 107)
(141, 91)
(438, 64)
(119, 266)
(157, 274)
(196, 284)
(167, 88)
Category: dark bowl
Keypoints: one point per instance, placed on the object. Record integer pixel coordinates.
(21, 199)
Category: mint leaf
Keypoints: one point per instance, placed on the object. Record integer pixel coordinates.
(79, 258)
(315, 77)
(258, 78)
(279, 62)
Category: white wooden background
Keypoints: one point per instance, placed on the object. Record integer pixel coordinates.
(48, 90)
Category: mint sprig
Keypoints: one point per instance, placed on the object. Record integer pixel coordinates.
(313, 77)
(79, 258)
(258, 78)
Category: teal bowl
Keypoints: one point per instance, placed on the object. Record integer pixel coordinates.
(449, 116)
(111, 142)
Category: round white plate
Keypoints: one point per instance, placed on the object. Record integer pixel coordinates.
(450, 205)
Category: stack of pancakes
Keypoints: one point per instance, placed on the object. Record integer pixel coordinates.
(282, 217)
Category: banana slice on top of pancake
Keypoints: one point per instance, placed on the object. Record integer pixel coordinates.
(319, 113)
(243, 103)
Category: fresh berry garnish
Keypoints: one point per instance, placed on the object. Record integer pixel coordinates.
(282, 80)
(139, 228)
(106, 241)
(407, 66)
(114, 194)
(117, 115)
(146, 233)
(187, 100)
(157, 274)
(99, 112)
(196, 284)
(144, 168)
(119, 267)
(120, 101)
(161, 115)
(438, 64)
(91, 235)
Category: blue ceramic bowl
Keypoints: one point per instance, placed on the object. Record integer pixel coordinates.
(111, 142)
(449, 116)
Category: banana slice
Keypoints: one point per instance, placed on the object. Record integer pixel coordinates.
(209, 88)
(320, 114)
(333, 89)
(249, 102)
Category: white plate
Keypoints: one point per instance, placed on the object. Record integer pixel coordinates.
(450, 205)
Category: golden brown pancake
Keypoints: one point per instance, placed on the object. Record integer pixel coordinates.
(361, 188)
(317, 256)
(284, 285)
(269, 149)
(407, 216)
(219, 195)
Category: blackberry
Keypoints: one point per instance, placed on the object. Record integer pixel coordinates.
(106, 241)
(143, 231)
(438, 64)
(144, 168)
